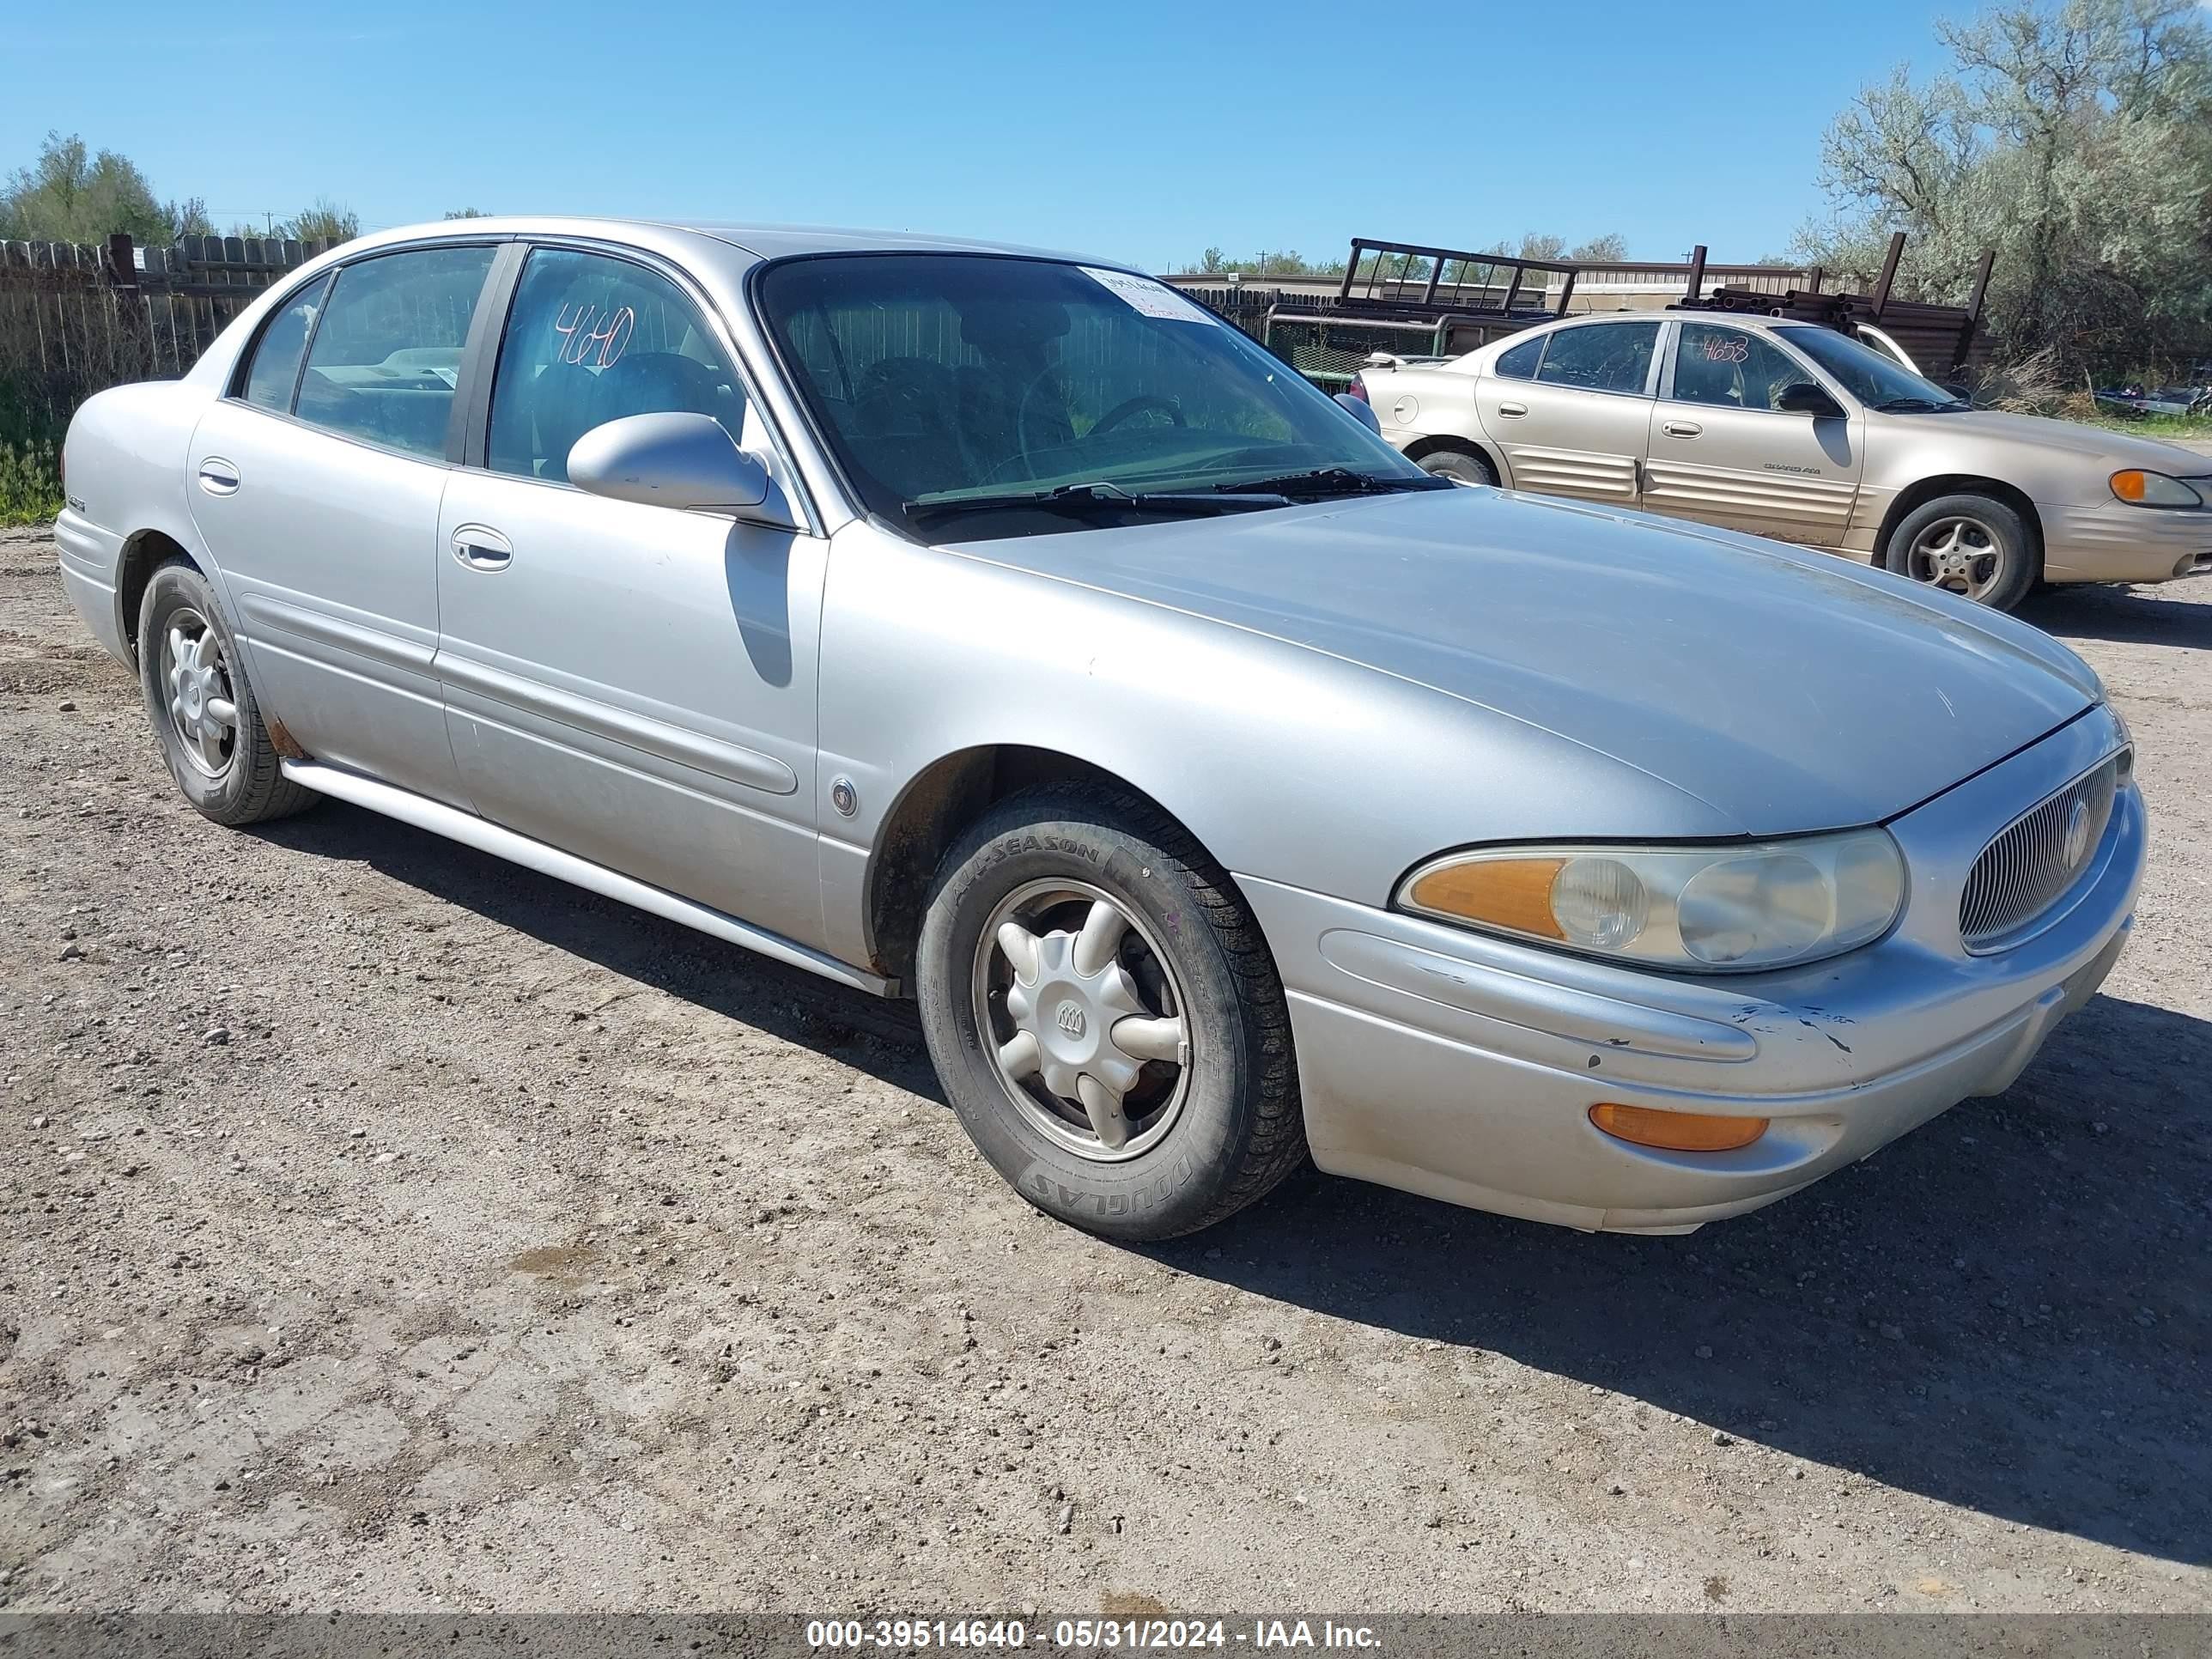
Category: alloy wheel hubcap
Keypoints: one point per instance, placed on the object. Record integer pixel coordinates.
(202, 710)
(1084, 1018)
(1963, 556)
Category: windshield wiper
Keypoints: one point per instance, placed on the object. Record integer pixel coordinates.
(1082, 498)
(1917, 406)
(1336, 481)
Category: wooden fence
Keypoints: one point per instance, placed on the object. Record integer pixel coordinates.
(76, 318)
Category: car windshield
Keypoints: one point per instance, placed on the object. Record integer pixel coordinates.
(1876, 380)
(977, 395)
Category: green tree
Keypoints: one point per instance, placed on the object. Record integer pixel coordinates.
(327, 220)
(1610, 247)
(1281, 263)
(466, 213)
(2075, 139)
(72, 194)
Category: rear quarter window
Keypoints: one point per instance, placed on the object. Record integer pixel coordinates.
(275, 368)
(1520, 362)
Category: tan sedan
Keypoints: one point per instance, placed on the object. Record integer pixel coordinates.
(1805, 434)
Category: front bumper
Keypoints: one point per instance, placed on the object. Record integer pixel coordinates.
(2116, 542)
(1464, 1067)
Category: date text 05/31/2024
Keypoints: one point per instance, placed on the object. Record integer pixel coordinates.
(834, 1635)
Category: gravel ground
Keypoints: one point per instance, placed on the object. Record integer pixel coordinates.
(390, 1228)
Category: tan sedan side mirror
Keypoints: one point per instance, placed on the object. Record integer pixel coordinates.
(1803, 397)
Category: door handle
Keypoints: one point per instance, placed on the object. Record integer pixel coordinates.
(218, 477)
(479, 547)
(1514, 409)
(1681, 428)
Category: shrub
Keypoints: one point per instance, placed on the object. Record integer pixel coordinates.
(30, 481)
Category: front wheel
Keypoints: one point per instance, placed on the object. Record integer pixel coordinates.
(1106, 1018)
(1974, 546)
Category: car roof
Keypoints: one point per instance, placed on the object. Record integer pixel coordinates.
(776, 241)
(1757, 320)
(761, 240)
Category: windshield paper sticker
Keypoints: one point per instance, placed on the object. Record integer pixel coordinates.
(1148, 297)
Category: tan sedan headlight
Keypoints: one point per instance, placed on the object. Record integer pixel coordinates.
(1760, 904)
(2153, 490)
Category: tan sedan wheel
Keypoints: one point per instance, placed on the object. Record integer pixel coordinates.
(1974, 546)
(1467, 466)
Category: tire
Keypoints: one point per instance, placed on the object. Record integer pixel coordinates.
(1208, 1132)
(1998, 560)
(1467, 466)
(234, 779)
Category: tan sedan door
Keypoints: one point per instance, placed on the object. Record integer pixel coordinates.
(1724, 453)
(1570, 414)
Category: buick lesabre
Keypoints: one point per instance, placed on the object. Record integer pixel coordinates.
(1000, 630)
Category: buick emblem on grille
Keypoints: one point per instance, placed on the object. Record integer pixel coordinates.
(2036, 859)
(1070, 1018)
(2077, 834)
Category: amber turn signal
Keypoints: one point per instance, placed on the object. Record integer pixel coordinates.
(1676, 1132)
(1515, 893)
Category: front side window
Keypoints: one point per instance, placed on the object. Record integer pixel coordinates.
(387, 350)
(939, 378)
(1732, 369)
(591, 339)
(1601, 356)
(275, 370)
(1875, 379)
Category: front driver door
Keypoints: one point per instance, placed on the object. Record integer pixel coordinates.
(1723, 453)
(633, 684)
(1576, 427)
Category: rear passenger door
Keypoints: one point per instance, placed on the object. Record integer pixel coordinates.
(1723, 453)
(633, 684)
(1576, 424)
(315, 484)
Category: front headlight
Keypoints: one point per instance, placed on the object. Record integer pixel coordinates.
(2139, 489)
(2125, 768)
(1759, 904)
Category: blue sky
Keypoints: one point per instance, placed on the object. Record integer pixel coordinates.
(1135, 129)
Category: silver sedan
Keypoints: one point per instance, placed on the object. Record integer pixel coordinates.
(996, 628)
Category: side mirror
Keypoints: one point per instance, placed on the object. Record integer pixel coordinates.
(1803, 397)
(675, 459)
(1361, 411)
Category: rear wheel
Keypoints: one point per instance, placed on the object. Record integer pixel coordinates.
(1974, 546)
(1465, 465)
(1106, 1018)
(202, 706)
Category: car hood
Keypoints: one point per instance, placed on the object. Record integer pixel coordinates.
(1790, 690)
(2113, 450)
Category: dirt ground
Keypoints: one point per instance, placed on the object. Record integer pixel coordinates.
(386, 1227)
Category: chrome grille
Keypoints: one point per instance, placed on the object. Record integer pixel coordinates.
(2034, 859)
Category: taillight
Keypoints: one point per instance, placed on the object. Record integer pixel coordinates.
(1358, 389)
